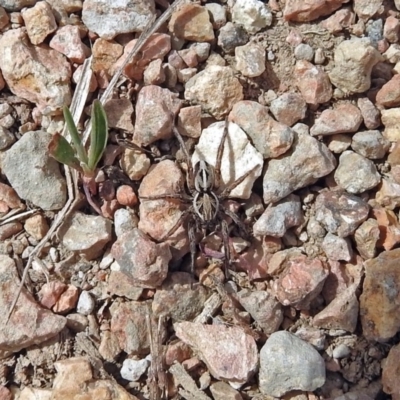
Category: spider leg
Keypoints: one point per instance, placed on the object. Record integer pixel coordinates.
(226, 192)
(175, 227)
(217, 168)
(236, 220)
(179, 196)
(225, 240)
(190, 173)
(193, 243)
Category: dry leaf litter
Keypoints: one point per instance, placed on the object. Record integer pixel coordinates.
(110, 310)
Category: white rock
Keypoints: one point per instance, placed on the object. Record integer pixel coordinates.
(252, 14)
(111, 18)
(124, 221)
(239, 156)
(132, 370)
(354, 60)
(85, 304)
(250, 59)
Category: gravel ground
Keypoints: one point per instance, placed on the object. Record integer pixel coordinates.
(281, 279)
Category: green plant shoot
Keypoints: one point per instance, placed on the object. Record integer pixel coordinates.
(74, 154)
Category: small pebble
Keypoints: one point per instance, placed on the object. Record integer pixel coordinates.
(341, 351)
(132, 370)
(86, 303)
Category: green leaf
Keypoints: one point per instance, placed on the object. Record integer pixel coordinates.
(76, 139)
(62, 151)
(98, 135)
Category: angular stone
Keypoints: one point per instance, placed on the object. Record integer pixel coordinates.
(391, 122)
(288, 363)
(67, 40)
(86, 234)
(155, 111)
(355, 173)
(341, 313)
(27, 163)
(391, 372)
(389, 93)
(337, 248)
(229, 353)
(250, 60)
(354, 60)
(264, 309)
(141, 259)
(44, 76)
(300, 282)
(179, 299)
(128, 323)
(191, 22)
(369, 112)
(289, 108)
(29, 323)
(313, 82)
(39, 21)
(216, 89)
(269, 137)
(370, 144)
(366, 237)
(307, 161)
(345, 118)
(253, 15)
(340, 213)
(109, 19)
(380, 298)
(280, 217)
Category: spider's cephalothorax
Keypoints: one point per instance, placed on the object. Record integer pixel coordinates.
(205, 211)
(205, 201)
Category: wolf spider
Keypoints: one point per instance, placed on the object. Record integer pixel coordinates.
(205, 212)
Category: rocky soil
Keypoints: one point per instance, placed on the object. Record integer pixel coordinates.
(309, 94)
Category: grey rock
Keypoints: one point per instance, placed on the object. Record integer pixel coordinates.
(263, 307)
(304, 51)
(33, 174)
(340, 213)
(6, 138)
(280, 217)
(16, 5)
(337, 248)
(230, 36)
(370, 144)
(356, 173)
(307, 161)
(341, 351)
(86, 234)
(109, 19)
(288, 363)
(141, 259)
(179, 298)
(218, 14)
(124, 221)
